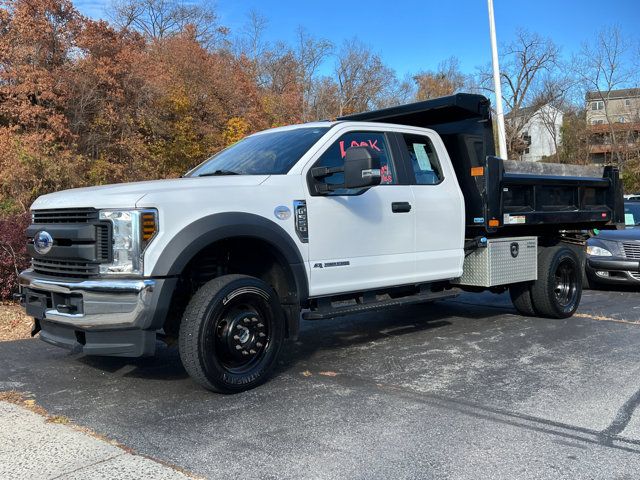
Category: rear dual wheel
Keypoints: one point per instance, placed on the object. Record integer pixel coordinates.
(521, 298)
(557, 291)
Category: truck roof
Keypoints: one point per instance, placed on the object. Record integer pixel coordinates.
(323, 124)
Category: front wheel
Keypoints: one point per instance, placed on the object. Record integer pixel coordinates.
(231, 333)
(558, 290)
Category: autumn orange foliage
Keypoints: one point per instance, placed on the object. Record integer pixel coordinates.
(83, 102)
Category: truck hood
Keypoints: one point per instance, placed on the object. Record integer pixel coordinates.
(129, 195)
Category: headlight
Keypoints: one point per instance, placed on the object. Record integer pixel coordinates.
(598, 251)
(132, 232)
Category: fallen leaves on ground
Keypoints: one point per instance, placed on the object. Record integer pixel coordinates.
(307, 373)
(14, 324)
(604, 319)
(62, 420)
(18, 398)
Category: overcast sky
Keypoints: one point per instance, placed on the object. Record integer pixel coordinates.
(413, 35)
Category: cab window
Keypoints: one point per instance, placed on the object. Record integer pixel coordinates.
(377, 142)
(424, 160)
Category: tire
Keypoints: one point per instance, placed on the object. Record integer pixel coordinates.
(231, 333)
(587, 283)
(582, 257)
(558, 290)
(520, 294)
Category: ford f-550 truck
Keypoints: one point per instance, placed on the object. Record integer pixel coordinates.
(379, 209)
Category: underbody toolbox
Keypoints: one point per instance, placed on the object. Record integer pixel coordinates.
(503, 261)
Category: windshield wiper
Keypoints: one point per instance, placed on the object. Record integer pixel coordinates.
(218, 172)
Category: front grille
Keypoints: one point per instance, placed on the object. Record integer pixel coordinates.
(63, 268)
(631, 250)
(62, 260)
(66, 215)
(635, 275)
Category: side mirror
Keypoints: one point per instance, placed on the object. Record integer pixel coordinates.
(361, 168)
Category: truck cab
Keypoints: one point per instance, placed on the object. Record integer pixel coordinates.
(320, 220)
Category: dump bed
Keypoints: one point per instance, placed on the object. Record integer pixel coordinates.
(507, 197)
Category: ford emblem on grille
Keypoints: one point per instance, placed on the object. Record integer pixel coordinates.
(42, 242)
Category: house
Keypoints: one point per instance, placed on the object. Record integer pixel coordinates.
(536, 132)
(613, 121)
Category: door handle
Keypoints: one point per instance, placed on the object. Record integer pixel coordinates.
(400, 207)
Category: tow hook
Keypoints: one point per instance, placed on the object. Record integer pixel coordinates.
(63, 308)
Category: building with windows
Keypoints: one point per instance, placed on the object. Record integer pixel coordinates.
(538, 131)
(613, 121)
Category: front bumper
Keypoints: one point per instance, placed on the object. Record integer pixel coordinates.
(613, 270)
(618, 264)
(99, 317)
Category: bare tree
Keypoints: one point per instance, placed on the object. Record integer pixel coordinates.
(279, 69)
(603, 67)
(310, 53)
(398, 92)
(527, 66)
(361, 76)
(163, 18)
(266, 60)
(526, 63)
(324, 103)
(251, 42)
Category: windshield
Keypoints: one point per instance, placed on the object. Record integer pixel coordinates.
(632, 213)
(271, 153)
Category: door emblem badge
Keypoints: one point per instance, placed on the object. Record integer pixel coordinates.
(282, 213)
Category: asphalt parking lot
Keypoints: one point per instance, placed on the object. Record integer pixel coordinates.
(460, 389)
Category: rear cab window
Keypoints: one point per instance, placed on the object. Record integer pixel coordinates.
(423, 158)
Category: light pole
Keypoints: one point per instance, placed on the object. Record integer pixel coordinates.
(502, 139)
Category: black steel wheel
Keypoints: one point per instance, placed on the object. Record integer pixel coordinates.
(558, 290)
(566, 283)
(231, 333)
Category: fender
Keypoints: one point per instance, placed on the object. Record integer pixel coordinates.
(207, 230)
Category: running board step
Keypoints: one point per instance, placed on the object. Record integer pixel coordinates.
(332, 312)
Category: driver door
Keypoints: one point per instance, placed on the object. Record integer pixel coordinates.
(360, 239)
